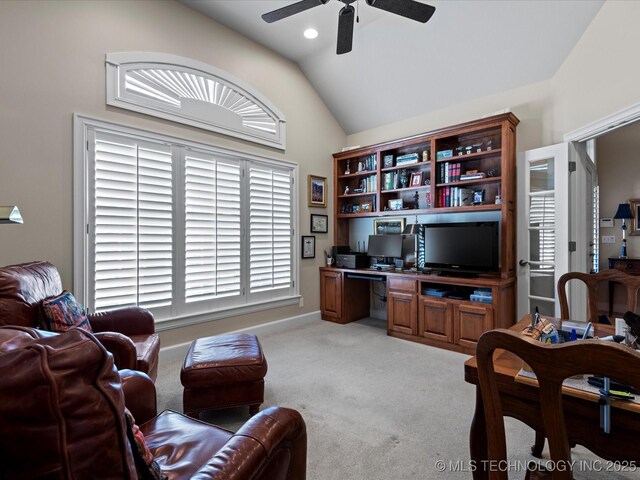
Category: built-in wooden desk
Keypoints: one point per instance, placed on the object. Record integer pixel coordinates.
(446, 322)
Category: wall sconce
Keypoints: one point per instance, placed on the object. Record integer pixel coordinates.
(10, 214)
(624, 213)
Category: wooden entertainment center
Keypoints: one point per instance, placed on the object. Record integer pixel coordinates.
(378, 179)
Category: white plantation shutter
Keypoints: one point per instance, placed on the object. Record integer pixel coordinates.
(187, 230)
(132, 212)
(270, 227)
(212, 228)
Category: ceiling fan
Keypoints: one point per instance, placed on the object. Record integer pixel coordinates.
(411, 9)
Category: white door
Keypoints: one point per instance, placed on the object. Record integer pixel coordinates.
(583, 221)
(543, 227)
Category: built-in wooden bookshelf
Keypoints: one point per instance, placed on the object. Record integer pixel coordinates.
(433, 173)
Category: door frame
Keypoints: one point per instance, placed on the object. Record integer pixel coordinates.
(604, 125)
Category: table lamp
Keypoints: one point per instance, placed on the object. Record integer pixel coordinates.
(414, 229)
(624, 212)
(10, 214)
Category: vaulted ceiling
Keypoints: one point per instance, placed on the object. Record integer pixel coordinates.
(399, 68)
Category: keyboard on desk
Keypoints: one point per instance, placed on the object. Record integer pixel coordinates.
(380, 266)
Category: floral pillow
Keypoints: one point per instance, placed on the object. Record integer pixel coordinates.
(146, 466)
(63, 312)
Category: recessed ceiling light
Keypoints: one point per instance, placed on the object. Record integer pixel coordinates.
(310, 33)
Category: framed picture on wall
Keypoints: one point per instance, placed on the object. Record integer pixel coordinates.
(634, 225)
(308, 246)
(319, 223)
(317, 191)
(388, 226)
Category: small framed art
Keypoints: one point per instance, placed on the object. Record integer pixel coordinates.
(388, 226)
(366, 207)
(416, 179)
(395, 204)
(317, 191)
(308, 246)
(319, 223)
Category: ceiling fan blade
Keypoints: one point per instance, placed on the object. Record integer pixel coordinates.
(406, 8)
(289, 10)
(345, 29)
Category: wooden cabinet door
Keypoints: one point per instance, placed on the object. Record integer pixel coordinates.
(435, 319)
(471, 321)
(402, 312)
(331, 295)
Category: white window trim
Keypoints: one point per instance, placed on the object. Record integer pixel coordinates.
(118, 64)
(81, 126)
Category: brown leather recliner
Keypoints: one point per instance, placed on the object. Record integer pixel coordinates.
(128, 333)
(63, 394)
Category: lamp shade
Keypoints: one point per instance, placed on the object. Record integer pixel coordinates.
(624, 211)
(10, 214)
(412, 229)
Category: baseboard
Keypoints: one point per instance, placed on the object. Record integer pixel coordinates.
(177, 352)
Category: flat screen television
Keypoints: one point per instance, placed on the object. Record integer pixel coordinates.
(462, 248)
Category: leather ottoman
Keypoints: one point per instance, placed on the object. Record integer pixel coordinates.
(223, 371)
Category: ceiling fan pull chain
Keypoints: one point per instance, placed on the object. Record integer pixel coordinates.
(357, 11)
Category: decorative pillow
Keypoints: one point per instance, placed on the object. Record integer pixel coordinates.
(63, 312)
(146, 466)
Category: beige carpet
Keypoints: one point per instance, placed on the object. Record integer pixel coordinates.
(376, 408)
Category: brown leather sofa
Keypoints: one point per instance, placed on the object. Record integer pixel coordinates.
(128, 333)
(62, 416)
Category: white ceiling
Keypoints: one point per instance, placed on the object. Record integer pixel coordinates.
(399, 68)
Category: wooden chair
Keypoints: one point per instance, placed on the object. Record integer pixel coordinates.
(551, 364)
(593, 281)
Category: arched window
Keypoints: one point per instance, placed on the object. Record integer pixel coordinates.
(194, 93)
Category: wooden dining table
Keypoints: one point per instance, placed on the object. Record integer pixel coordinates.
(520, 399)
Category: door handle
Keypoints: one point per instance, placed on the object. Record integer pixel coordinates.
(523, 263)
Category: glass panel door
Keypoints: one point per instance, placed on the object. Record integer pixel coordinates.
(542, 228)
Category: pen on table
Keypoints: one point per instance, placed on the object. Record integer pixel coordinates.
(586, 330)
(535, 318)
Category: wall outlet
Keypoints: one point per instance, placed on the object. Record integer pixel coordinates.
(608, 239)
(301, 302)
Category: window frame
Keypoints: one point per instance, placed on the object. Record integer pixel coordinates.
(119, 64)
(82, 128)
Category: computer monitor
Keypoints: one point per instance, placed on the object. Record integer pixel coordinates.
(388, 246)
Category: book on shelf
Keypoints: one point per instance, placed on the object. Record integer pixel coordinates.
(478, 298)
(473, 176)
(391, 181)
(444, 154)
(407, 159)
(369, 184)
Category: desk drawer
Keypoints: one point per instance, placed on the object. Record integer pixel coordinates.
(627, 265)
(402, 284)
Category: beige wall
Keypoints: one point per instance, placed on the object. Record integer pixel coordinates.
(618, 166)
(598, 78)
(52, 55)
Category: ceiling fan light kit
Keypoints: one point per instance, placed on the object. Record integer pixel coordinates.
(410, 9)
